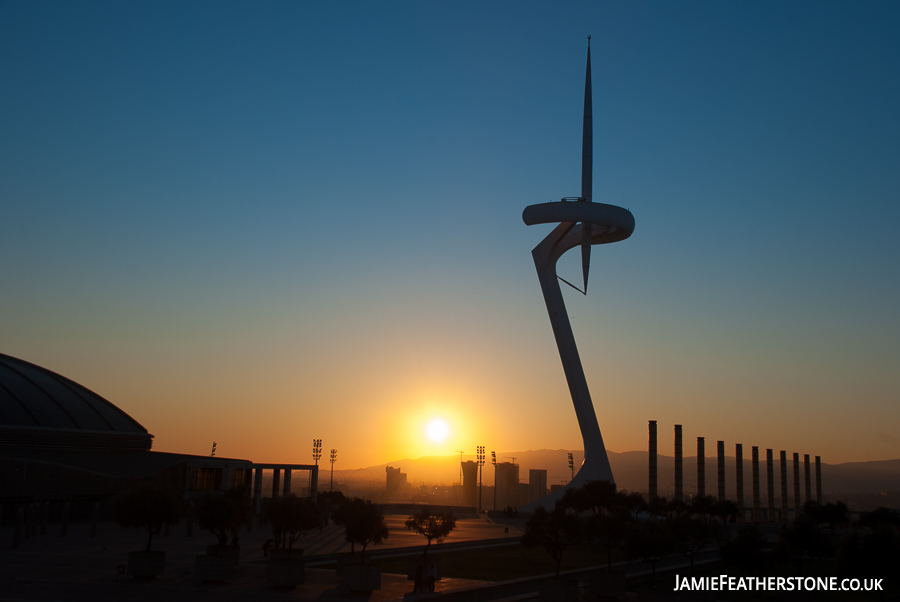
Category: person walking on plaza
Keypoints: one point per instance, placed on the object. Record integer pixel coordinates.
(432, 576)
(419, 583)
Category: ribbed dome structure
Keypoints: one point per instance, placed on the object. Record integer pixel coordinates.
(41, 409)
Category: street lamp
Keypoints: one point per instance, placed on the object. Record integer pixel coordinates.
(332, 459)
(480, 460)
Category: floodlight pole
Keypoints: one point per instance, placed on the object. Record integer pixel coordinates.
(494, 462)
(480, 458)
(317, 453)
(332, 460)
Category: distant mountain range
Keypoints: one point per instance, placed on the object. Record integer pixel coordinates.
(631, 469)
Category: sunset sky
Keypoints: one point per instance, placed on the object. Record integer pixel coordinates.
(263, 223)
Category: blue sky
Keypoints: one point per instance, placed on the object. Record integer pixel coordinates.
(297, 207)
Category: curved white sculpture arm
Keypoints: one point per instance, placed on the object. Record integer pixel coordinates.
(609, 224)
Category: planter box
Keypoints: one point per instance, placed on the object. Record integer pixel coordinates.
(213, 568)
(343, 560)
(233, 553)
(559, 590)
(284, 573)
(425, 561)
(145, 565)
(606, 585)
(282, 554)
(361, 578)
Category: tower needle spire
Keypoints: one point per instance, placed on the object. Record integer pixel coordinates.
(587, 165)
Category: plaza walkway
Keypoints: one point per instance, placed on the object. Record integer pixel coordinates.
(80, 568)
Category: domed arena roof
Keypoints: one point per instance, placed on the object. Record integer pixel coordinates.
(42, 409)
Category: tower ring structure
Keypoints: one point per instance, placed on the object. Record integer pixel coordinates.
(581, 223)
(608, 224)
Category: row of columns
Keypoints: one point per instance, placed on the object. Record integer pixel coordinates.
(34, 516)
(277, 484)
(739, 474)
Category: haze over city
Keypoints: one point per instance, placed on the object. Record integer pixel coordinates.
(259, 225)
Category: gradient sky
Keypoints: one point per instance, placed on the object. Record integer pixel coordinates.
(260, 223)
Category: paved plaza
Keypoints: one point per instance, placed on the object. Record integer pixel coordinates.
(80, 568)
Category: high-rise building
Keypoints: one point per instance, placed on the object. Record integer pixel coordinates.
(470, 483)
(537, 484)
(395, 481)
(506, 483)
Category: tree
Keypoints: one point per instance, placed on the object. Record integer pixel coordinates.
(634, 502)
(747, 550)
(147, 508)
(692, 535)
(802, 538)
(657, 507)
(726, 510)
(554, 531)
(870, 554)
(363, 524)
(703, 506)
(652, 542)
(610, 530)
(291, 518)
(432, 525)
(221, 514)
(836, 514)
(593, 496)
(880, 517)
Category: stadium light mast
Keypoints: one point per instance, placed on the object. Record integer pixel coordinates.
(332, 459)
(494, 463)
(480, 460)
(317, 453)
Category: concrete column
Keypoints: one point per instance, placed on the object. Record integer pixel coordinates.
(819, 479)
(739, 479)
(257, 490)
(64, 528)
(45, 514)
(679, 465)
(797, 503)
(29, 519)
(701, 466)
(94, 517)
(287, 481)
(19, 529)
(720, 456)
(807, 485)
(314, 484)
(653, 457)
(755, 467)
(276, 481)
(190, 518)
(187, 481)
(770, 486)
(784, 488)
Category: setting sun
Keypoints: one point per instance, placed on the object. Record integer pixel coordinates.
(437, 430)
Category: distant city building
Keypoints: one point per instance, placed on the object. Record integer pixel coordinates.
(506, 483)
(395, 481)
(537, 484)
(557, 487)
(470, 483)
